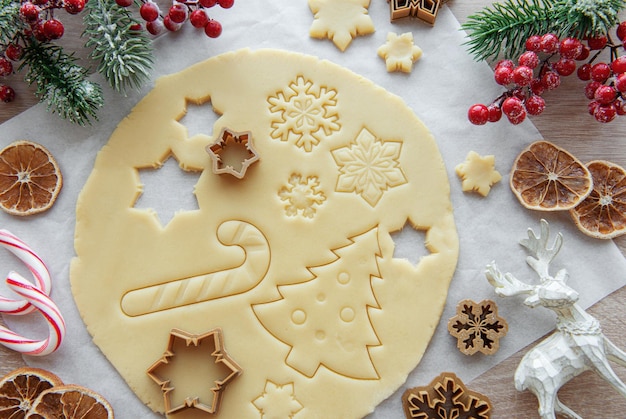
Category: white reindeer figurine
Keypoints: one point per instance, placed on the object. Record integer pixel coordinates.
(577, 345)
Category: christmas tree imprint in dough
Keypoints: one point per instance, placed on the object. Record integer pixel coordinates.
(305, 113)
(326, 320)
(297, 254)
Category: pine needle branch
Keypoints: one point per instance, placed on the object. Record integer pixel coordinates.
(61, 82)
(10, 22)
(124, 55)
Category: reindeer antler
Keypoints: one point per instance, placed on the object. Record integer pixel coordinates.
(538, 246)
(506, 285)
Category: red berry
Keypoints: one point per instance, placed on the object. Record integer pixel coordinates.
(208, 3)
(13, 52)
(600, 72)
(522, 75)
(590, 89)
(170, 25)
(74, 6)
(495, 113)
(177, 13)
(597, 42)
(529, 59)
(213, 28)
(149, 11)
(512, 107)
(565, 66)
(503, 75)
(124, 3)
(198, 18)
(584, 54)
(537, 87)
(226, 4)
(584, 72)
(592, 106)
(39, 33)
(605, 113)
(605, 94)
(53, 29)
(620, 83)
(135, 27)
(505, 63)
(535, 105)
(621, 31)
(533, 43)
(6, 67)
(549, 43)
(518, 119)
(620, 107)
(619, 65)
(155, 27)
(29, 12)
(478, 114)
(570, 48)
(7, 94)
(551, 80)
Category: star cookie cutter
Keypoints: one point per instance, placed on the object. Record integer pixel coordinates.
(217, 355)
(425, 10)
(232, 153)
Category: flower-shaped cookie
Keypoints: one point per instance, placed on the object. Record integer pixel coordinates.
(478, 173)
(399, 52)
(477, 327)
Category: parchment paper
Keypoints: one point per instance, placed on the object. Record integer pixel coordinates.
(443, 84)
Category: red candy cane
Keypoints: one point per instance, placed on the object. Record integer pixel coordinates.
(33, 297)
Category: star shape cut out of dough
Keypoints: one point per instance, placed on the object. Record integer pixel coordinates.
(169, 370)
(425, 10)
(399, 52)
(340, 20)
(232, 153)
(478, 173)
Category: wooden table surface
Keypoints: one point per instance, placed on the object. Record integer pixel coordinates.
(565, 123)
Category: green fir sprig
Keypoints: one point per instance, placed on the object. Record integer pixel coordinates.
(503, 28)
(61, 82)
(124, 55)
(10, 23)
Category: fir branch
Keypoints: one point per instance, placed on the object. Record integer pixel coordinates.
(589, 17)
(124, 55)
(504, 27)
(61, 82)
(10, 22)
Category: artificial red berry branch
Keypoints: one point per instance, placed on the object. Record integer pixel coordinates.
(540, 68)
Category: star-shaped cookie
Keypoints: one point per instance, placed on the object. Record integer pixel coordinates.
(399, 52)
(478, 173)
(340, 20)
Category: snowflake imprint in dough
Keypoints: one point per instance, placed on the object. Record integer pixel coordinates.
(369, 166)
(340, 20)
(302, 195)
(306, 113)
(277, 401)
(478, 173)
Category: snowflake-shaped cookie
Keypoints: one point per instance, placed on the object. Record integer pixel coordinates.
(277, 401)
(340, 20)
(446, 397)
(477, 327)
(302, 195)
(478, 173)
(399, 52)
(369, 166)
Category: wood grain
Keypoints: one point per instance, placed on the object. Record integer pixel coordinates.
(566, 123)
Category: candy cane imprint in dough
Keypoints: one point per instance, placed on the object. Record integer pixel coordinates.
(212, 285)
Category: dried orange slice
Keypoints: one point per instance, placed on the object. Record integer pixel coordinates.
(546, 177)
(70, 402)
(30, 179)
(20, 388)
(603, 213)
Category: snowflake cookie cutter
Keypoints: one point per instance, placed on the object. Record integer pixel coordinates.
(181, 341)
(577, 344)
(444, 398)
(477, 327)
(232, 153)
(425, 10)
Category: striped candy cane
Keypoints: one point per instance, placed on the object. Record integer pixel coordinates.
(33, 297)
(35, 265)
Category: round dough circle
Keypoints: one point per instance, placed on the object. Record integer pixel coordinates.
(274, 257)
